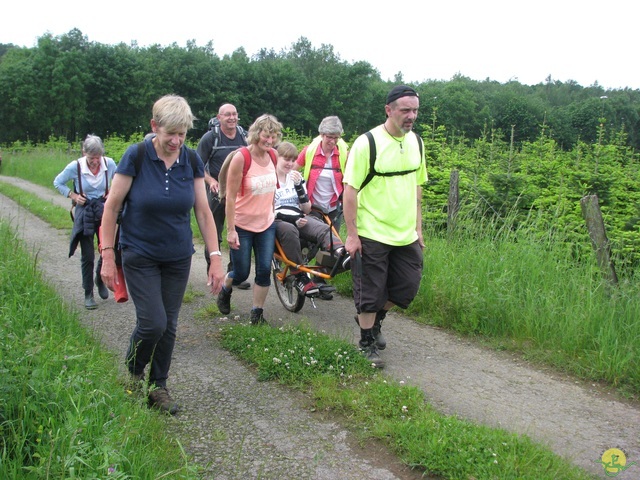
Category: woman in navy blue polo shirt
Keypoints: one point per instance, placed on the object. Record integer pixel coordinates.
(156, 241)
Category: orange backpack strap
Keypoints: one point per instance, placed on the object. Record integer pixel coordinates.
(247, 165)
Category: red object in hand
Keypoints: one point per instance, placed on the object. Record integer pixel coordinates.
(120, 292)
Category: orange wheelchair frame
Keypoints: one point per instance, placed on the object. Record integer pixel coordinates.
(325, 267)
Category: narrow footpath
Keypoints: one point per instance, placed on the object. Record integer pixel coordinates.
(237, 427)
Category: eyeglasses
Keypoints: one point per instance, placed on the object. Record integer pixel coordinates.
(229, 114)
(332, 137)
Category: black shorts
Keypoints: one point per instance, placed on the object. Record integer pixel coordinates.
(389, 273)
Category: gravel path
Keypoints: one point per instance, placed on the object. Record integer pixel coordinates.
(238, 427)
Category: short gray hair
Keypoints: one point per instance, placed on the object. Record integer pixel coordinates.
(330, 126)
(92, 145)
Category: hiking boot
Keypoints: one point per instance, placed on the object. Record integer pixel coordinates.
(160, 399)
(381, 343)
(370, 351)
(103, 291)
(224, 300)
(304, 285)
(89, 302)
(257, 318)
(244, 286)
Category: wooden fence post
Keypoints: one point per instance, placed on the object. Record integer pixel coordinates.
(595, 225)
(454, 200)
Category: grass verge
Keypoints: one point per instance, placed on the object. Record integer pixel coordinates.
(341, 381)
(64, 414)
(55, 216)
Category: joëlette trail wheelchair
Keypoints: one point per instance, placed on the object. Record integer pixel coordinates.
(326, 266)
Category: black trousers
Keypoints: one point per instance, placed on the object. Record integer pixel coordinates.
(87, 260)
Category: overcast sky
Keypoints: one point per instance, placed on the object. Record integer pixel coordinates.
(424, 39)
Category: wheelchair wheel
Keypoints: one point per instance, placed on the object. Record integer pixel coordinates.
(290, 298)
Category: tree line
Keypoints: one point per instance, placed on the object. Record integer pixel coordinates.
(67, 86)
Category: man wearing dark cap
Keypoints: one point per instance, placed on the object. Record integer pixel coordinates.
(383, 216)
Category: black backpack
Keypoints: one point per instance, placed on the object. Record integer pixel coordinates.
(372, 161)
(214, 125)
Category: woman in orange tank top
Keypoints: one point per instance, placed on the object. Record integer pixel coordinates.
(250, 214)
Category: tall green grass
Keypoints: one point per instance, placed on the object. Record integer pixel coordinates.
(532, 295)
(40, 164)
(63, 412)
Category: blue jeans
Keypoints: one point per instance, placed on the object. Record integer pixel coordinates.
(263, 245)
(157, 290)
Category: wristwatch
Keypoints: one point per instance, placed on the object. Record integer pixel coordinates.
(215, 252)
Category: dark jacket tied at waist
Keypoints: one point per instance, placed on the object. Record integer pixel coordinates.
(87, 221)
